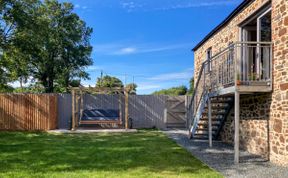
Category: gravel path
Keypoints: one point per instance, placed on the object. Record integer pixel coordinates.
(221, 158)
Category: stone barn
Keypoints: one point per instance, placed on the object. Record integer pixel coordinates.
(241, 81)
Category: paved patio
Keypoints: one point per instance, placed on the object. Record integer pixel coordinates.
(221, 158)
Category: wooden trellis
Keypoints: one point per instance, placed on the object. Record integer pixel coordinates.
(78, 104)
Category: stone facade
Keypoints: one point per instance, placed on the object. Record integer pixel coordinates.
(254, 124)
(263, 117)
(278, 126)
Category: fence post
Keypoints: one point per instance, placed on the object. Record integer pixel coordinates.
(186, 110)
(126, 110)
(165, 115)
(73, 110)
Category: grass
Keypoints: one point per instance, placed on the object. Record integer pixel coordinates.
(141, 154)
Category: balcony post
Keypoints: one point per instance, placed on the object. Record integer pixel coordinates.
(236, 121)
(236, 104)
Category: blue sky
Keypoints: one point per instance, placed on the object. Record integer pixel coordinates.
(148, 40)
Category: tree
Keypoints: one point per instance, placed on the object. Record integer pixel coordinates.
(174, 91)
(191, 86)
(14, 17)
(49, 43)
(109, 81)
(64, 46)
(131, 88)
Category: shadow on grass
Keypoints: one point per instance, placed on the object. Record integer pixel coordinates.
(141, 152)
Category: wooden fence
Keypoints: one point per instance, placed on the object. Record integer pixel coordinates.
(28, 112)
(145, 111)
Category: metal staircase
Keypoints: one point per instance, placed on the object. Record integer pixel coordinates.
(221, 107)
(221, 77)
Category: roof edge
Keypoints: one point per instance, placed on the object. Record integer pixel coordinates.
(224, 22)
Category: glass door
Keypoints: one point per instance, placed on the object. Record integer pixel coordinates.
(264, 34)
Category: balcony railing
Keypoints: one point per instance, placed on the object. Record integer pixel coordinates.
(241, 64)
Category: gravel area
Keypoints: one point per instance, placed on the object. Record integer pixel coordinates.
(221, 158)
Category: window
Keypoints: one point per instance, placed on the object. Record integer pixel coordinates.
(208, 58)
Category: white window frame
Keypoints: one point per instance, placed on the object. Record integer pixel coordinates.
(209, 56)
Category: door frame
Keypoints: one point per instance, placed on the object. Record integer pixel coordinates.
(258, 55)
(259, 15)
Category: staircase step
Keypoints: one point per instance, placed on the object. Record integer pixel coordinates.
(220, 117)
(221, 100)
(206, 124)
(214, 113)
(219, 107)
(206, 129)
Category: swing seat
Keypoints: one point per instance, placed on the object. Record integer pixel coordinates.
(100, 116)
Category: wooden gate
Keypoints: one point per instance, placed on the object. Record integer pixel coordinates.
(175, 112)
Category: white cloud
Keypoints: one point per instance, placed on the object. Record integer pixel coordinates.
(143, 87)
(77, 6)
(126, 49)
(184, 75)
(94, 68)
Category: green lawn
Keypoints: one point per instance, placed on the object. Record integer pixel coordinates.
(141, 154)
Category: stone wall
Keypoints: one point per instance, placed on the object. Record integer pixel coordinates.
(260, 116)
(254, 123)
(279, 107)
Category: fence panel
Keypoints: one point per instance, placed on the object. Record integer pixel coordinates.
(28, 111)
(147, 111)
(64, 111)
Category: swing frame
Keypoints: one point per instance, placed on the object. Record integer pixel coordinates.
(78, 108)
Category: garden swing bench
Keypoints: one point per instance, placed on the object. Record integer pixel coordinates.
(97, 116)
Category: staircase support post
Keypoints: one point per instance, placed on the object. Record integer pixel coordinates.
(209, 122)
(236, 134)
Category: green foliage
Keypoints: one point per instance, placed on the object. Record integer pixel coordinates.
(174, 91)
(109, 81)
(115, 155)
(45, 40)
(6, 88)
(32, 88)
(191, 86)
(131, 88)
